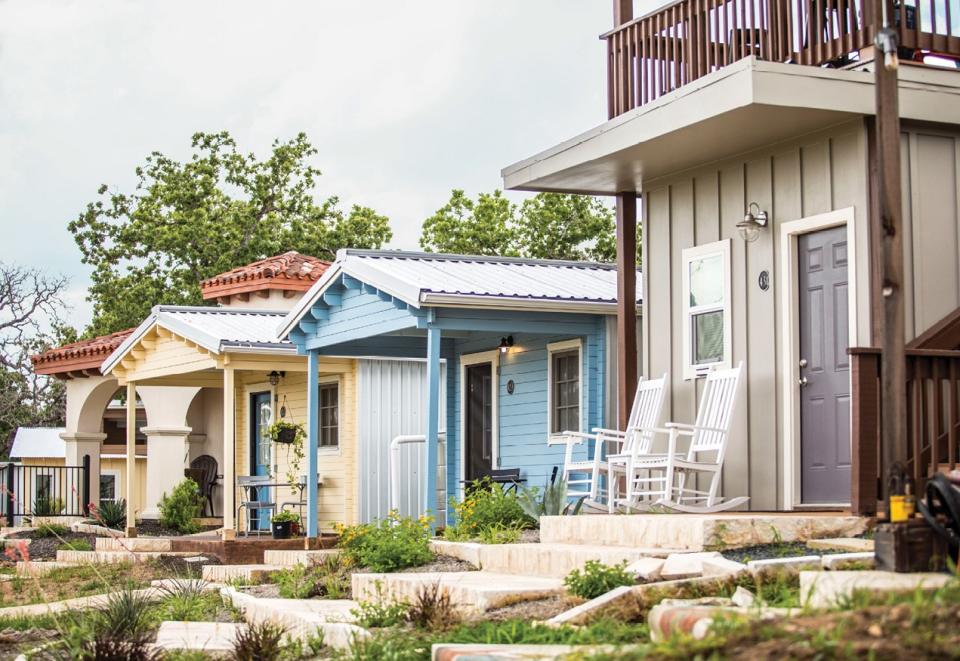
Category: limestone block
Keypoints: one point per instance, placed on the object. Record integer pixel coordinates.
(826, 589)
(849, 544)
(841, 560)
(686, 565)
(721, 567)
(796, 563)
(205, 636)
(647, 569)
(584, 612)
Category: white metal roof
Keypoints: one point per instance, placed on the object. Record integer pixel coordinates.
(214, 329)
(432, 279)
(38, 442)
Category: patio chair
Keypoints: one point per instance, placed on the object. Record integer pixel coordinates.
(669, 479)
(644, 414)
(206, 467)
(254, 487)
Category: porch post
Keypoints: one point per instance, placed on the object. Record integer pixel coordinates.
(313, 439)
(433, 418)
(229, 455)
(626, 305)
(131, 458)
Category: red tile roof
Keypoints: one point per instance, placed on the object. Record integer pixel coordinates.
(78, 356)
(291, 271)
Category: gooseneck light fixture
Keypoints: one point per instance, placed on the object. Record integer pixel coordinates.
(506, 343)
(754, 220)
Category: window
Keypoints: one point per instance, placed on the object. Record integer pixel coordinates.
(108, 487)
(706, 308)
(329, 415)
(563, 395)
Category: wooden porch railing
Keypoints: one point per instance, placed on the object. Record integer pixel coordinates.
(933, 420)
(677, 44)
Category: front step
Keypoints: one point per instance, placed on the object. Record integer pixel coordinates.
(114, 557)
(134, 544)
(470, 592)
(249, 574)
(697, 532)
(552, 560)
(288, 558)
(33, 568)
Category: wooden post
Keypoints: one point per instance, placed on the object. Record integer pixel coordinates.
(431, 456)
(229, 455)
(313, 442)
(865, 415)
(622, 12)
(131, 458)
(888, 224)
(626, 304)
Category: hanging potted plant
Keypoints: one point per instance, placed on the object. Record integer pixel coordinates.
(282, 524)
(286, 432)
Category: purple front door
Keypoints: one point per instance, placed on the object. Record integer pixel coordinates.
(824, 368)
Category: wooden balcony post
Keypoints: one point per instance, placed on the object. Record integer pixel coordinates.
(865, 418)
(622, 12)
(626, 304)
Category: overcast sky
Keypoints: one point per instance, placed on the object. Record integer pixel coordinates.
(404, 100)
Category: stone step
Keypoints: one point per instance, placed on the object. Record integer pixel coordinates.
(250, 574)
(552, 560)
(203, 636)
(471, 592)
(828, 589)
(302, 617)
(132, 544)
(115, 557)
(34, 568)
(290, 558)
(697, 532)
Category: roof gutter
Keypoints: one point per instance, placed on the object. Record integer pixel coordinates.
(505, 303)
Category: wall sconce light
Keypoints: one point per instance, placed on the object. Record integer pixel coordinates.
(753, 221)
(506, 343)
(275, 377)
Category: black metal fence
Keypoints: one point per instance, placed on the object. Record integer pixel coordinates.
(44, 491)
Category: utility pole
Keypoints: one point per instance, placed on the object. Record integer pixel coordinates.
(888, 226)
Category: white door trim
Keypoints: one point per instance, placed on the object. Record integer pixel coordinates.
(466, 360)
(789, 302)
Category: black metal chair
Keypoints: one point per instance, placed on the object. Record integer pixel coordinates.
(509, 478)
(208, 465)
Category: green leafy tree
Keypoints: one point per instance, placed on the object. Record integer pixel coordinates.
(188, 221)
(484, 226)
(546, 226)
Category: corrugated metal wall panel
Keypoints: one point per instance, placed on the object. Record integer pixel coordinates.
(391, 400)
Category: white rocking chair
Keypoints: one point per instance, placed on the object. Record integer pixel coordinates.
(645, 413)
(662, 480)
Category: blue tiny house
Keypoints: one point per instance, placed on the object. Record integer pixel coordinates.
(527, 347)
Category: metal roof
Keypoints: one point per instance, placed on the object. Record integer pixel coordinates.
(38, 442)
(434, 279)
(214, 329)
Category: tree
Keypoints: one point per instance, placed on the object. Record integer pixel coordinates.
(546, 226)
(185, 222)
(30, 302)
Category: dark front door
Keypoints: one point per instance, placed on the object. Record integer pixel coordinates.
(479, 419)
(261, 414)
(824, 368)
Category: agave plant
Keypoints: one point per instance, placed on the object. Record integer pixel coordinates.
(552, 501)
(113, 514)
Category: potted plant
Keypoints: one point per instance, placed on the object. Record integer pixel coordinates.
(286, 432)
(282, 523)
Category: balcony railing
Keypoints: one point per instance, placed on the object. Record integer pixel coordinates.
(933, 420)
(677, 44)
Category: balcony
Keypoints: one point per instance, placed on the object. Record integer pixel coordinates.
(689, 39)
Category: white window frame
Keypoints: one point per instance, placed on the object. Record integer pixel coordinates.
(466, 360)
(688, 255)
(563, 347)
(117, 494)
(326, 380)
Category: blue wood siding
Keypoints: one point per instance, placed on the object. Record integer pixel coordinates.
(359, 315)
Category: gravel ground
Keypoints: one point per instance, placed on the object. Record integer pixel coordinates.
(531, 611)
(152, 528)
(45, 548)
(780, 550)
(441, 563)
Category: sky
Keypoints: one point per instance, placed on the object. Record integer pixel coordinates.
(404, 100)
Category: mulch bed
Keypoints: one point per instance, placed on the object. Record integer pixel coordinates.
(531, 611)
(778, 550)
(441, 563)
(45, 548)
(153, 528)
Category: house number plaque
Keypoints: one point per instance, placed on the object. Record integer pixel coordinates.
(764, 280)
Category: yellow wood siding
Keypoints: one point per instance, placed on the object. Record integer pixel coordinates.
(167, 355)
(337, 467)
(117, 465)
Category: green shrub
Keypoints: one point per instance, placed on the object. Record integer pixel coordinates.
(379, 614)
(259, 641)
(76, 545)
(597, 579)
(112, 514)
(188, 601)
(487, 505)
(47, 506)
(329, 579)
(285, 517)
(294, 583)
(179, 509)
(388, 545)
(500, 534)
(46, 530)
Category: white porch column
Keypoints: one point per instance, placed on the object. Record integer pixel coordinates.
(168, 450)
(79, 444)
(131, 458)
(229, 455)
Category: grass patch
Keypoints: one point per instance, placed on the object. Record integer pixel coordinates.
(76, 545)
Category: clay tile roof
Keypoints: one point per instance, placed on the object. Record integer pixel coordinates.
(291, 271)
(78, 356)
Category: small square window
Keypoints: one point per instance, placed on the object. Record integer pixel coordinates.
(108, 487)
(706, 308)
(564, 389)
(329, 415)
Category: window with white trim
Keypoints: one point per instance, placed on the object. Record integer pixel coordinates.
(109, 487)
(564, 386)
(706, 308)
(329, 396)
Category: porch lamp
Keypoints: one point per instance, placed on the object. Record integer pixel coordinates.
(754, 220)
(506, 343)
(274, 377)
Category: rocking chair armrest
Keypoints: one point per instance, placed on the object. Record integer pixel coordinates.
(684, 428)
(601, 431)
(569, 438)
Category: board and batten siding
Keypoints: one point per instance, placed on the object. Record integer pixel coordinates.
(930, 165)
(819, 173)
(392, 401)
